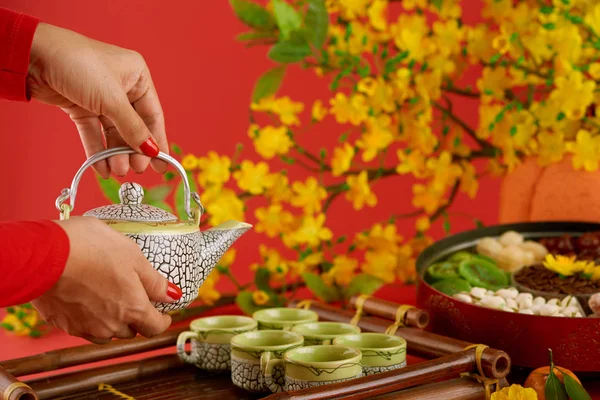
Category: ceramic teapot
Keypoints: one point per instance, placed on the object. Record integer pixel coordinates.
(177, 249)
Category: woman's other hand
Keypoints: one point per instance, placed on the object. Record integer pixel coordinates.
(106, 288)
(106, 90)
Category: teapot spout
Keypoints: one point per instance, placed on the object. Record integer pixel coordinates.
(215, 241)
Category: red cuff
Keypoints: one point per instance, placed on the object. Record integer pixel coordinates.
(16, 36)
(33, 256)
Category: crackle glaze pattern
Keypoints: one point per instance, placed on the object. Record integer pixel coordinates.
(377, 370)
(246, 374)
(296, 384)
(212, 357)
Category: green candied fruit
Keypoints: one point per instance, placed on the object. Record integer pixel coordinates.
(482, 273)
(443, 270)
(452, 286)
(460, 256)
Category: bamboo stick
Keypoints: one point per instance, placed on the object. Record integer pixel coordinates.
(413, 317)
(368, 387)
(75, 382)
(13, 389)
(455, 389)
(71, 356)
(495, 363)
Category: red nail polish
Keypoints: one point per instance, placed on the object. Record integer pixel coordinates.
(173, 291)
(149, 147)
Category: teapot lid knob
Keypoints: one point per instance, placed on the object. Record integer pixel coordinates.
(131, 193)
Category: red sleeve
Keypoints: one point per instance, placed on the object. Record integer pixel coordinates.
(16, 35)
(33, 256)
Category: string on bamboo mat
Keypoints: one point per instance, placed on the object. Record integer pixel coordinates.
(304, 304)
(360, 303)
(108, 388)
(400, 315)
(12, 387)
(481, 378)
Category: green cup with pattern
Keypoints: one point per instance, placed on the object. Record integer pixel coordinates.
(380, 352)
(311, 366)
(319, 333)
(250, 353)
(210, 339)
(283, 318)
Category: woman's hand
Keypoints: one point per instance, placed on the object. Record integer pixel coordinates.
(106, 90)
(106, 287)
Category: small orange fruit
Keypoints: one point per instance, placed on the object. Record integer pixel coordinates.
(537, 379)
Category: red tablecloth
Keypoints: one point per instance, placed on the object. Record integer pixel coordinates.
(14, 347)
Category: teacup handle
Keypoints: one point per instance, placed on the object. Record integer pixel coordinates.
(182, 339)
(267, 363)
(65, 209)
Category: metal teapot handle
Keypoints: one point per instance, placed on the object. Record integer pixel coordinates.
(71, 193)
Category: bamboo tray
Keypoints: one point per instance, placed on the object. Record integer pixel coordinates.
(449, 373)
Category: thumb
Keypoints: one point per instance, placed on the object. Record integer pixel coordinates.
(132, 127)
(158, 288)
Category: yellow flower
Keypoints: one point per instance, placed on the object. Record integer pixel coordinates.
(423, 224)
(280, 190)
(377, 14)
(351, 9)
(21, 326)
(478, 43)
(342, 271)
(496, 9)
(412, 4)
(427, 197)
(284, 107)
(271, 141)
(207, 292)
(306, 264)
(445, 171)
(273, 220)
(448, 36)
(273, 262)
(551, 147)
(586, 151)
(574, 94)
(253, 178)
(563, 265)
(342, 159)
(214, 169)
(312, 231)
(380, 239)
(377, 138)
(360, 192)
(468, 180)
(448, 9)
(515, 392)
(308, 195)
(353, 110)
(318, 111)
(493, 83)
(594, 70)
(260, 297)
(228, 258)
(380, 264)
(592, 18)
(380, 94)
(411, 163)
(411, 33)
(189, 162)
(222, 205)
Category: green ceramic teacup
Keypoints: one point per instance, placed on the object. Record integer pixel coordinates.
(313, 366)
(283, 318)
(380, 352)
(316, 333)
(210, 339)
(250, 353)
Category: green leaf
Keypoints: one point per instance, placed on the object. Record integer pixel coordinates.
(343, 137)
(478, 223)
(10, 310)
(261, 280)
(156, 193)
(560, 116)
(246, 304)
(161, 204)
(437, 4)
(253, 14)
(179, 196)
(8, 327)
(341, 239)
(513, 130)
(488, 92)
(289, 52)
(323, 153)
(447, 225)
(320, 288)
(169, 175)
(364, 284)
(494, 58)
(546, 9)
(268, 84)
(255, 35)
(514, 36)
(317, 22)
(575, 390)
(176, 149)
(554, 389)
(110, 187)
(286, 17)
(549, 26)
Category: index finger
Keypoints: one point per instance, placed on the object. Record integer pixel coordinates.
(152, 322)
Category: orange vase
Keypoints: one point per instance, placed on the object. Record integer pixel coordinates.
(554, 193)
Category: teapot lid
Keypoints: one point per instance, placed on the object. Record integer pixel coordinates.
(131, 208)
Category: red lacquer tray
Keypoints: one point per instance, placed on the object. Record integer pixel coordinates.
(575, 342)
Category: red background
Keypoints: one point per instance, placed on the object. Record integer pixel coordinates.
(204, 79)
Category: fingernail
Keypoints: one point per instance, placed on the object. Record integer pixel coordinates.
(149, 147)
(173, 291)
